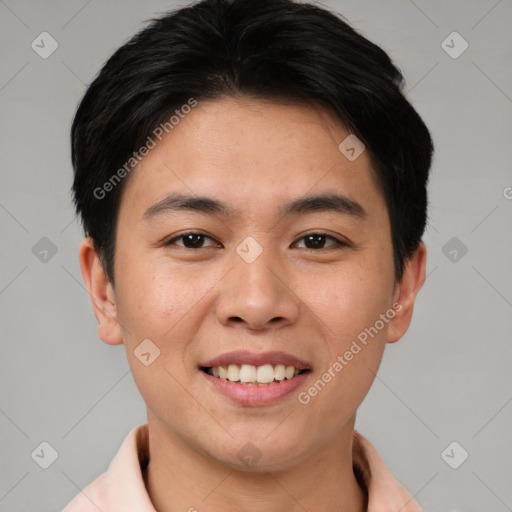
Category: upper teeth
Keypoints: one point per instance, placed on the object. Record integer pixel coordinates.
(249, 374)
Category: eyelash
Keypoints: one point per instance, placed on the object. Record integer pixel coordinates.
(338, 243)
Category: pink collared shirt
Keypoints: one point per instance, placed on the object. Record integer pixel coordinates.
(121, 488)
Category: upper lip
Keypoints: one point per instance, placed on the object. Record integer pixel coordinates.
(244, 357)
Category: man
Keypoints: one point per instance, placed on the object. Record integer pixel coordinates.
(252, 184)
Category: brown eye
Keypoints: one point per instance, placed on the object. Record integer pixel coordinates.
(319, 241)
(190, 241)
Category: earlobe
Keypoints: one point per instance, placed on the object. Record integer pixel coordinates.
(101, 293)
(406, 292)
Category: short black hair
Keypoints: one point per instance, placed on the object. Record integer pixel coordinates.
(279, 50)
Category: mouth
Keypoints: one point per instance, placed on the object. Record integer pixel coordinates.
(248, 374)
(250, 379)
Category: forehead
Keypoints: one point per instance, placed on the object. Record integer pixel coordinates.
(252, 154)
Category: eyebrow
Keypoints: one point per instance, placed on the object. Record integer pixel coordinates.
(335, 203)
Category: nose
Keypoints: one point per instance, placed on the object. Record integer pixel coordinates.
(256, 296)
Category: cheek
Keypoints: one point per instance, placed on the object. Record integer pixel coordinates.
(161, 305)
(350, 308)
(353, 351)
(351, 300)
(155, 298)
(168, 307)
(357, 335)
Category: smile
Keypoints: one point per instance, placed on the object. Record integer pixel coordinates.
(255, 379)
(247, 374)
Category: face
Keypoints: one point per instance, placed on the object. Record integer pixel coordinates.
(286, 261)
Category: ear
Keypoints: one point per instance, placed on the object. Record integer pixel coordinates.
(406, 292)
(101, 292)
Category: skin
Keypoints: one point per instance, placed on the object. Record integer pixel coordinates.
(195, 304)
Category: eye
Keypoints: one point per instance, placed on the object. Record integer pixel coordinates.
(319, 240)
(192, 241)
(314, 241)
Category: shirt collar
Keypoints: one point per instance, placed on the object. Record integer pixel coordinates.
(382, 488)
(122, 487)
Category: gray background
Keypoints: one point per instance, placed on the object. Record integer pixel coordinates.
(447, 380)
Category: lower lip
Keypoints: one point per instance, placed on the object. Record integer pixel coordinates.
(253, 394)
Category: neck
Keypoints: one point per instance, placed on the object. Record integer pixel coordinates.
(180, 478)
